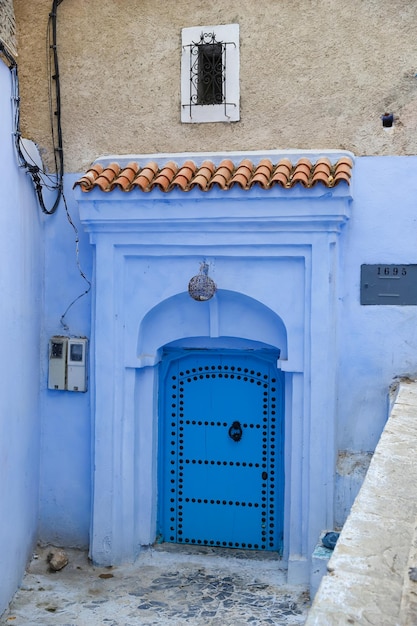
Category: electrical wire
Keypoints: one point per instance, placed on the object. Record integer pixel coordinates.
(64, 325)
(56, 130)
(55, 86)
(40, 178)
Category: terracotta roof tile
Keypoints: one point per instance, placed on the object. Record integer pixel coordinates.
(302, 173)
(107, 176)
(185, 175)
(145, 176)
(226, 175)
(320, 177)
(125, 178)
(282, 173)
(203, 175)
(90, 177)
(242, 174)
(262, 174)
(165, 176)
(222, 175)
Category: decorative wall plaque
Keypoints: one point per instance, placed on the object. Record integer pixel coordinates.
(389, 284)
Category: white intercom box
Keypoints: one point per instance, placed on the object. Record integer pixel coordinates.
(57, 376)
(68, 363)
(76, 364)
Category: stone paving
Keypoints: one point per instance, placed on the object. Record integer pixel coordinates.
(166, 586)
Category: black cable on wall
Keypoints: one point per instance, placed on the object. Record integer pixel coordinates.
(41, 179)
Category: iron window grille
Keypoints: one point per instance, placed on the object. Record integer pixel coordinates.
(210, 74)
(208, 67)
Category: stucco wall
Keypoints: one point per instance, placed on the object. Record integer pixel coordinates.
(66, 426)
(21, 309)
(8, 25)
(313, 75)
(375, 343)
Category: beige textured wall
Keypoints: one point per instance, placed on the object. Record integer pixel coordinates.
(314, 74)
(8, 26)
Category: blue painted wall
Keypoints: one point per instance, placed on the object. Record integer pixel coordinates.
(66, 430)
(376, 343)
(21, 288)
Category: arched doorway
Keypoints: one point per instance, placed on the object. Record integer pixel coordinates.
(274, 256)
(221, 471)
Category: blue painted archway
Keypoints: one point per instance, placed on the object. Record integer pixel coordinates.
(274, 255)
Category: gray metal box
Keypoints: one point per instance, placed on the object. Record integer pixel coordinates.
(57, 376)
(389, 284)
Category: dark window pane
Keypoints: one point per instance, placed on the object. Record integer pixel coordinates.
(210, 74)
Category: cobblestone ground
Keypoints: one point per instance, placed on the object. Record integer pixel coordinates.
(164, 587)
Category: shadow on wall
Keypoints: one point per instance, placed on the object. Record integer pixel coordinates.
(226, 317)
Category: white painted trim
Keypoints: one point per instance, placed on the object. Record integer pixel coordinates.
(217, 112)
(216, 157)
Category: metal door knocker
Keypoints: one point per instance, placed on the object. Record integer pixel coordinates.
(235, 431)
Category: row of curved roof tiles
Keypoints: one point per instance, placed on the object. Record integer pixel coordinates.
(207, 175)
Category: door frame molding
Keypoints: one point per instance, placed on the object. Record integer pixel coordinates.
(278, 248)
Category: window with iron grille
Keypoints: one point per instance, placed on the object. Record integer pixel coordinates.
(210, 74)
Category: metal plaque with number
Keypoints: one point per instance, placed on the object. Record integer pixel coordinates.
(389, 284)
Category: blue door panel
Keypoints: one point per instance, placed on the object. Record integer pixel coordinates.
(221, 449)
(214, 442)
(208, 483)
(223, 526)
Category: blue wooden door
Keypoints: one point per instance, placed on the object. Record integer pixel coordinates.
(222, 449)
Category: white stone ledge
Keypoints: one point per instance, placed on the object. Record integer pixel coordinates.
(369, 579)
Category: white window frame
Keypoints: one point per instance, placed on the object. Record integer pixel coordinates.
(228, 111)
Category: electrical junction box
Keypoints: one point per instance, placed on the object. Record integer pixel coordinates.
(76, 365)
(68, 363)
(57, 362)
